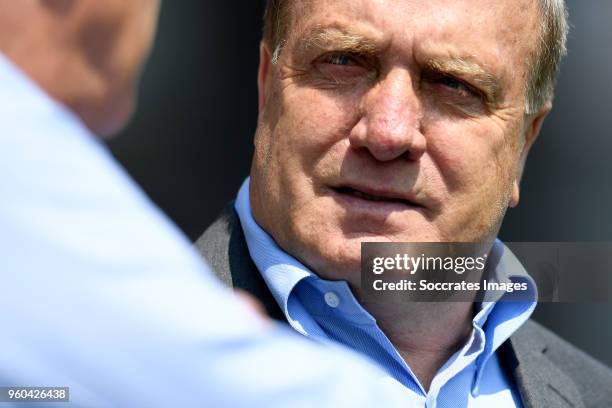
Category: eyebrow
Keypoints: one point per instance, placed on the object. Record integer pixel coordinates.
(330, 38)
(342, 40)
(474, 72)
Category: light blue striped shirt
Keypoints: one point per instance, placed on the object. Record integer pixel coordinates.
(328, 310)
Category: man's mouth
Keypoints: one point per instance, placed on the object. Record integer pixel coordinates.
(380, 197)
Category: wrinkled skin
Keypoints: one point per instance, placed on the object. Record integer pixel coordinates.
(419, 105)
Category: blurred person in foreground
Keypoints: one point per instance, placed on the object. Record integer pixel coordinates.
(402, 121)
(100, 292)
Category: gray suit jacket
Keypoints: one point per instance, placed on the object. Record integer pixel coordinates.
(548, 371)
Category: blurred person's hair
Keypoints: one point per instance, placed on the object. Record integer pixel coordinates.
(543, 64)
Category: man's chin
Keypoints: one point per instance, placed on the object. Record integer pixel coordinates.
(339, 262)
(108, 117)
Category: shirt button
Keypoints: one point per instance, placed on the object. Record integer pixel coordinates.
(332, 299)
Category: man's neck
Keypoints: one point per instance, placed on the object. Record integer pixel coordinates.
(425, 334)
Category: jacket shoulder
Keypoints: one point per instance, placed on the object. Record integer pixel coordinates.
(592, 379)
(214, 244)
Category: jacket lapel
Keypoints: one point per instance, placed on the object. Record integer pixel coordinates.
(540, 382)
(225, 248)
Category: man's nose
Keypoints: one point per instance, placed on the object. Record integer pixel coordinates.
(390, 125)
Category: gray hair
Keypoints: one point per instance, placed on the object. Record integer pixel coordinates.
(550, 50)
(543, 64)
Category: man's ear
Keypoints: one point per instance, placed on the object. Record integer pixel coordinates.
(531, 130)
(263, 75)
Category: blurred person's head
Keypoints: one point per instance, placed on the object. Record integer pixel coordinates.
(87, 54)
(397, 120)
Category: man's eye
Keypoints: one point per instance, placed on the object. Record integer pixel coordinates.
(339, 59)
(342, 68)
(458, 86)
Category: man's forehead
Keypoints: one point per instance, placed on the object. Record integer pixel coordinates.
(504, 9)
(502, 23)
(493, 39)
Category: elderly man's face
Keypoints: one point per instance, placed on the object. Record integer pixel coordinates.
(392, 120)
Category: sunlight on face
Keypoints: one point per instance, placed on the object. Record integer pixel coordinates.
(391, 120)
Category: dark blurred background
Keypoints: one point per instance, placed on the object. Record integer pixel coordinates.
(190, 143)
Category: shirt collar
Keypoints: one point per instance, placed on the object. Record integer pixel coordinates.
(495, 321)
(280, 271)
(506, 314)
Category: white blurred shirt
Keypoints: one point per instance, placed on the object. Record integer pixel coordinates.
(99, 292)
